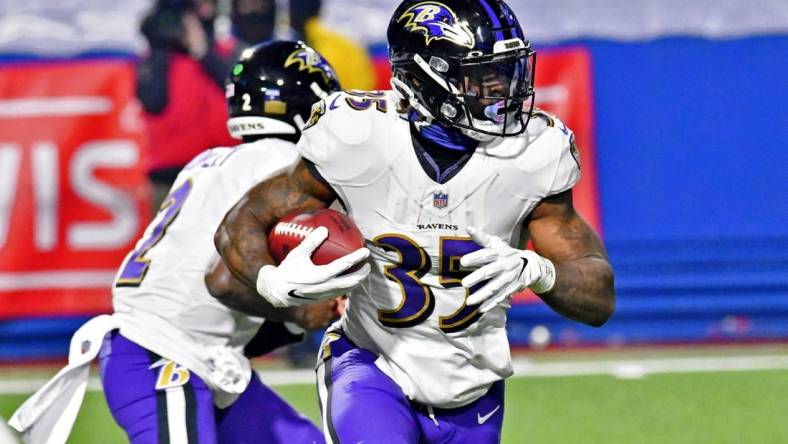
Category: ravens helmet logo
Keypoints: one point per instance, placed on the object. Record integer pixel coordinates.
(437, 22)
(309, 61)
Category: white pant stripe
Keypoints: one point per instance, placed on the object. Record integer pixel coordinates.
(322, 391)
(176, 415)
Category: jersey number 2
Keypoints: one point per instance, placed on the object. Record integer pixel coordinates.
(137, 264)
(418, 302)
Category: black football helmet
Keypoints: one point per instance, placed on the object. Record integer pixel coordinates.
(463, 63)
(273, 86)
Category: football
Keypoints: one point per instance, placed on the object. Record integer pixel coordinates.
(343, 235)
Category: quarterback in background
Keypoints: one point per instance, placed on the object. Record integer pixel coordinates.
(180, 347)
(446, 176)
(174, 360)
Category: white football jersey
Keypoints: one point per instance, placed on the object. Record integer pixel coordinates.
(159, 291)
(412, 309)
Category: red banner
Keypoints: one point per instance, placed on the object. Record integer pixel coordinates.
(73, 196)
(563, 87)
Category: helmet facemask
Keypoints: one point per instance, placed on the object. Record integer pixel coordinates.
(484, 96)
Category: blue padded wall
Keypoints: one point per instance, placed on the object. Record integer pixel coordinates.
(692, 152)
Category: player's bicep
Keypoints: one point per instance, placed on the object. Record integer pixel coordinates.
(226, 288)
(242, 236)
(310, 180)
(559, 233)
(231, 292)
(270, 200)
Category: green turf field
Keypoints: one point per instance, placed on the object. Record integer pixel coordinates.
(726, 407)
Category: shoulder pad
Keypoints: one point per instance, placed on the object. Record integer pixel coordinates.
(548, 117)
(348, 141)
(259, 160)
(543, 122)
(351, 116)
(547, 157)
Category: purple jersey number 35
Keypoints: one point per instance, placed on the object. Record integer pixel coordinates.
(137, 264)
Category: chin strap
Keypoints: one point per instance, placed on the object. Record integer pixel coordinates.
(406, 94)
(317, 90)
(445, 84)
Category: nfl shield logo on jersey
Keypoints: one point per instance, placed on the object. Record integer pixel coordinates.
(440, 200)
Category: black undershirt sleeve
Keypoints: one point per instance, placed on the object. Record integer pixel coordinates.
(269, 337)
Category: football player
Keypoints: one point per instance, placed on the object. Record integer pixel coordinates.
(445, 175)
(168, 312)
(175, 370)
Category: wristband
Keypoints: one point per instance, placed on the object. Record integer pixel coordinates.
(546, 280)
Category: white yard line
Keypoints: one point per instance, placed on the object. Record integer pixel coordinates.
(633, 368)
(523, 367)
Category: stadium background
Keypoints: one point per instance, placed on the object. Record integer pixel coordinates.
(680, 110)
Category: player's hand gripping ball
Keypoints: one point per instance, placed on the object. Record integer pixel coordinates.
(344, 236)
(321, 255)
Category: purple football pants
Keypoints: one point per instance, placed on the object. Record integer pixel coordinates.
(156, 402)
(360, 403)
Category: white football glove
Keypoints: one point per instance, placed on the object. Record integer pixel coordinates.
(298, 281)
(508, 270)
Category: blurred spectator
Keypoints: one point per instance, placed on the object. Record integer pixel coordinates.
(254, 21)
(180, 84)
(351, 61)
(180, 80)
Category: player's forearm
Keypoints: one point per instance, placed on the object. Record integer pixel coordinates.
(583, 290)
(249, 302)
(241, 238)
(232, 293)
(242, 244)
